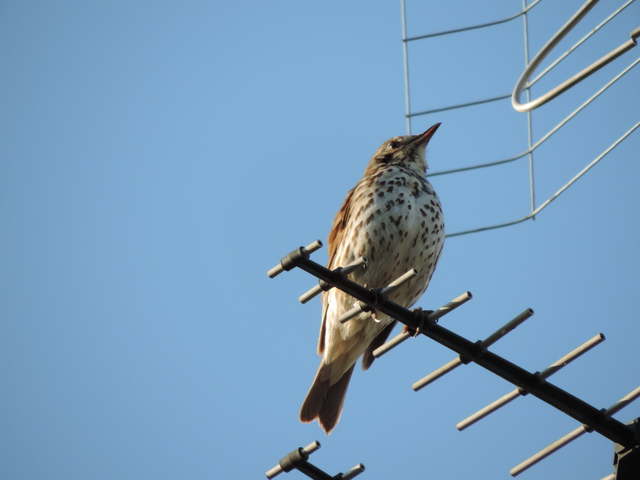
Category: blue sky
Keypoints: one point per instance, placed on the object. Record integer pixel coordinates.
(157, 158)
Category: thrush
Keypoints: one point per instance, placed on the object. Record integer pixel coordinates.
(394, 218)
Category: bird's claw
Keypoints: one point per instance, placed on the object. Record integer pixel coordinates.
(374, 313)
(424, 315)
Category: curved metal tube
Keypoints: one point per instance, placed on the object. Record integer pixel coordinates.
(573, 21)
(544, 137)
(580, 42)
(406, 40)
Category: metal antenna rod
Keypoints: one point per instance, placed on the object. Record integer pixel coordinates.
(474, 352)
(546, 136)
(546, 373)
(324, 286)
(361, 307)
(551, 44)
(298, 460)
(456, 362)
(531, 83)
(570, 437)
(306, 251)
(433, 317)
(308, 450)
(577, 44)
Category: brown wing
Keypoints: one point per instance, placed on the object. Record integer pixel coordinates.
(368, 358)
(335, 238)
(339, 226)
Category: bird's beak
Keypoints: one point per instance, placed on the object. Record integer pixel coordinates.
(426, 136)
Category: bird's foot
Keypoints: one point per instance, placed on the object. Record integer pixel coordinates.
(374, 313)
(424, 315)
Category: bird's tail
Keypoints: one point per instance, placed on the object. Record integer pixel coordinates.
(324, 401)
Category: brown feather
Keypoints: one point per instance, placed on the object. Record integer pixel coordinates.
(332, 408)
(325, 401)
(315, 398)
(338, 227)
(335, 237)
(368, 358)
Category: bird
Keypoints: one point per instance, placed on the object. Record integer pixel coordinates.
(394, 218)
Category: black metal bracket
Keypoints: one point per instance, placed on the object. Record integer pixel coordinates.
(627, 460)
(298, 459)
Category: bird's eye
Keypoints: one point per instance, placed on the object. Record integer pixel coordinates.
(395, 144)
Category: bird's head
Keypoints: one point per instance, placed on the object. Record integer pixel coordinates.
(407, 152)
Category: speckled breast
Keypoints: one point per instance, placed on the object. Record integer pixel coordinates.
(398, 225)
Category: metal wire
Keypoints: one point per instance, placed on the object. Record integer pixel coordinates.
(532, 192)
(508, 95)
(405, 51)
(523, 86)
(578, 43)
(555, 195)
(405, 56)
(544, 137)
(473, 27)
